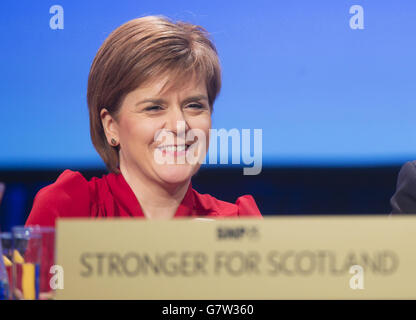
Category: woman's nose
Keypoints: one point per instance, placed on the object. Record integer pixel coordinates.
(176, 122)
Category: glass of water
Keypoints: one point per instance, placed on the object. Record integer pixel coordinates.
(32, 257)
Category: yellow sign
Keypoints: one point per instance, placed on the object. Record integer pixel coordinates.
(274, 258)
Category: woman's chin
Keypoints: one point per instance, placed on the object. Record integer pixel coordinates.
(175, 174)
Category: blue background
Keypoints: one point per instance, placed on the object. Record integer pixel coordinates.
(323, 94)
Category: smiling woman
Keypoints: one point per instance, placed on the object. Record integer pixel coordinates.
(151, 91)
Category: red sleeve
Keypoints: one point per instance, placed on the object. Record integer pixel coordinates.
(68, 196)
(247, 207)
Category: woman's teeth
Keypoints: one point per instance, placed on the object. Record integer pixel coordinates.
(173, 148)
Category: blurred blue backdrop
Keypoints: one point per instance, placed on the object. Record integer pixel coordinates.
(323, 93)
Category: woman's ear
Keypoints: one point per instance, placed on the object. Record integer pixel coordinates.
(110, 126)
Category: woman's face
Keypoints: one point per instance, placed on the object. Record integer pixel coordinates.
(154, 130)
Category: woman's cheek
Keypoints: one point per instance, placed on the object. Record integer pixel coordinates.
(203, 123)
(144, 132)
(205, 127)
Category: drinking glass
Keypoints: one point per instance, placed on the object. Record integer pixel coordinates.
(4, 279)
(6, 258)
(47, 261)
(33, 255)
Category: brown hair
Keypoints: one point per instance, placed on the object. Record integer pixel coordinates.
(137, 52)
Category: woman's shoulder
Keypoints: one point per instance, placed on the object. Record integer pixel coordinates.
(67, 186)
(245, 206)
(68, 196)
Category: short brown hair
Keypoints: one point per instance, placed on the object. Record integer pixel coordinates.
(139, 51)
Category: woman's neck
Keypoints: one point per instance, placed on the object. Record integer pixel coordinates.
(157, 202)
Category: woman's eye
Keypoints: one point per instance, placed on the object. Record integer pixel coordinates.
(153, 108)
(195, 106)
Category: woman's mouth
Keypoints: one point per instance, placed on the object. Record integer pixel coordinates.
(174, 150)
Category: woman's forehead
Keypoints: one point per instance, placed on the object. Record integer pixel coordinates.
(173, 84)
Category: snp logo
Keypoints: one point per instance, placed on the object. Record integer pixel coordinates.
(237, 233)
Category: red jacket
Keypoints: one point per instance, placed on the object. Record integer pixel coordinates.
(110, 196)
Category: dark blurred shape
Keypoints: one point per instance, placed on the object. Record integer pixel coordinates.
(2, 188)
(404, 199)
